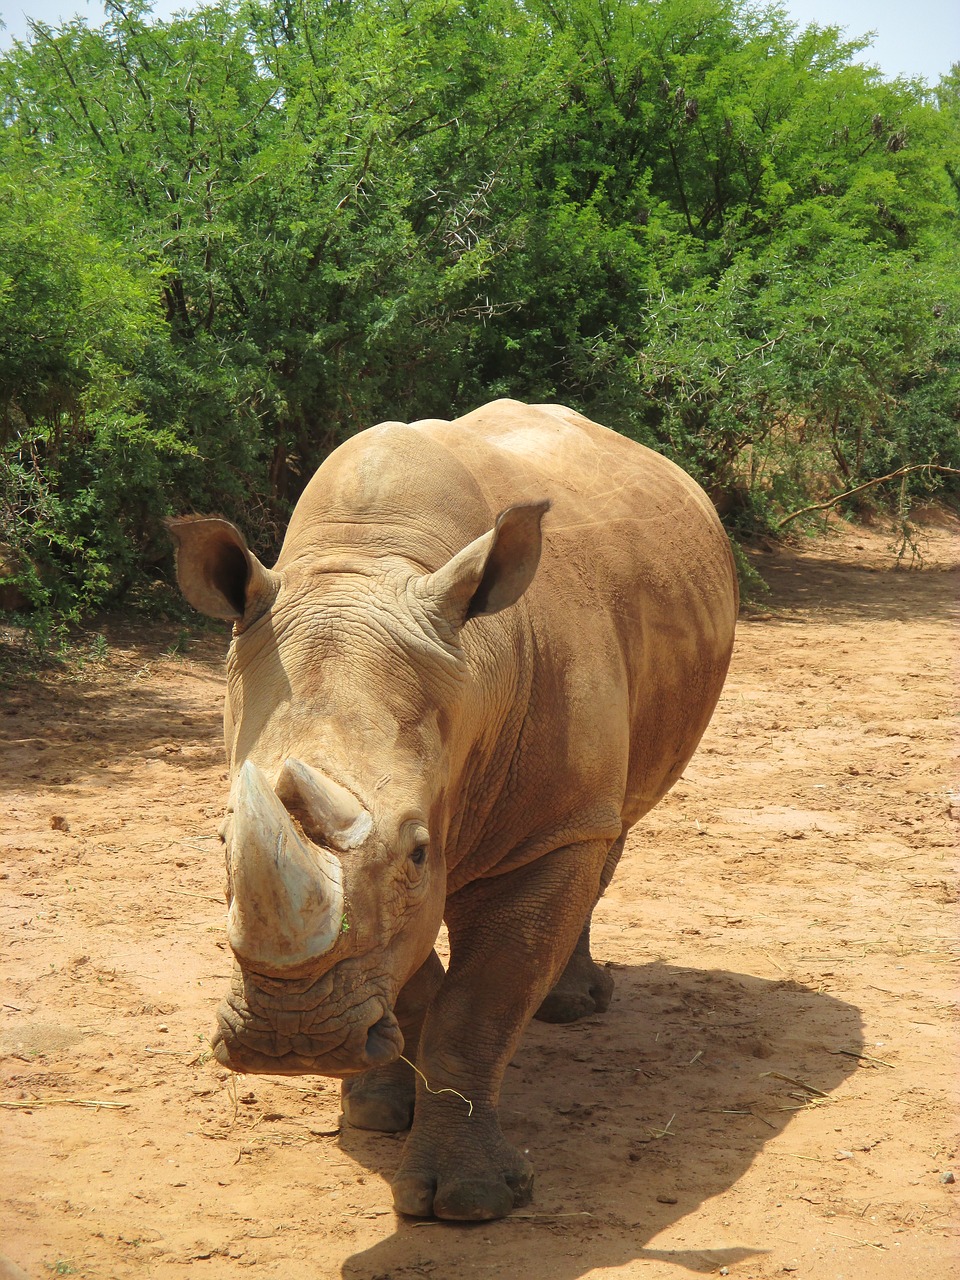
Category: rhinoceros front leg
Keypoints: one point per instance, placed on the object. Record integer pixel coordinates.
(583, 987)
(510, 937)
(384, 1097)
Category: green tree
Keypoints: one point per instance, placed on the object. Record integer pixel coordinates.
(280, 221)
(78, 465)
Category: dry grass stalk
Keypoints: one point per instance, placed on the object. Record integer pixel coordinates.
(864, 1244)
(800, 1084)
(64, 1102)
(763, 1119)
(429, 1089)
(547, 1217)
(864, 1057)
(666, 1131)
(204, 897)
(524, 1217)
(731, 1111)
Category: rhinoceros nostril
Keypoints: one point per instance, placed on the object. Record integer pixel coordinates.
(384, 1042)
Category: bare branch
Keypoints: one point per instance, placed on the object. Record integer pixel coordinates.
(870, 484)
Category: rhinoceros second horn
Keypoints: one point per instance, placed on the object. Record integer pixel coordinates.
(287, 905)
(330, 809)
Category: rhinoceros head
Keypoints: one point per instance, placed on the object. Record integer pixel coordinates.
(347, 728)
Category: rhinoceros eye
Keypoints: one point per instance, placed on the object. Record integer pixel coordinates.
(416, 838)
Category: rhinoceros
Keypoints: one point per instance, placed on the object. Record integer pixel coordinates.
(437, 711)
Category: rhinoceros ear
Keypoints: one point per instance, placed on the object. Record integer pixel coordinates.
(217, 571)
(495, 570)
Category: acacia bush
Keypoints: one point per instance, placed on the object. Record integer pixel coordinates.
(230, 240)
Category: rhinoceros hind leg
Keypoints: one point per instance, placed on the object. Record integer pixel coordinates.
(583, 987)
(380, 1099)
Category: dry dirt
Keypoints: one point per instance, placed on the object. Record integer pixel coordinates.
(772, 1091)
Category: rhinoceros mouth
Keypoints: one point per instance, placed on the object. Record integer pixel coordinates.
(254, 1045)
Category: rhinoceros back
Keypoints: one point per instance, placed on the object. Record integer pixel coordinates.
(635, 600)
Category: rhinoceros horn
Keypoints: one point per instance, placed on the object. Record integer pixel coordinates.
(287, 905)
(329, 809)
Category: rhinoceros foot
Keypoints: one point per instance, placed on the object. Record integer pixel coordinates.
(583, 988)
(468, 1173)
(380, 1099)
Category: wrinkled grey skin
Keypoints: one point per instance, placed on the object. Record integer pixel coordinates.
(436, 710)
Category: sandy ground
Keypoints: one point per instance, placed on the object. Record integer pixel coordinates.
(772, 1091)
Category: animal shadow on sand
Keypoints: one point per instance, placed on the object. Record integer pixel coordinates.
(632, 1121)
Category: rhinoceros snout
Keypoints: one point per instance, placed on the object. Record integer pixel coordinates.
(276, 1043)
